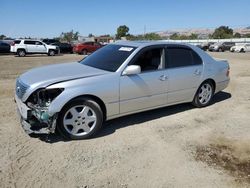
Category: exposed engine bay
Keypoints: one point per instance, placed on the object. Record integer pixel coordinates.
(38, 117)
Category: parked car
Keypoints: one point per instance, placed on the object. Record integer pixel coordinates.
(22, 47)
(245, 47)
(64, 47)
(4, 47)
(116, 80)
(49, 41)
(205, 46)
(86, 47)
(221, 46)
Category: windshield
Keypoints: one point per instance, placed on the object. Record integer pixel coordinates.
(109, 57)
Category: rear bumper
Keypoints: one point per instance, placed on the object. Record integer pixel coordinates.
(221, 85)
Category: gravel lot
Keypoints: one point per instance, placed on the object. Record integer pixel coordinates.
(152, 149)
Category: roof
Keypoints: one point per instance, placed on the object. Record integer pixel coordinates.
(146, 43)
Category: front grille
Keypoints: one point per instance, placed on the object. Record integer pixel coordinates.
(20, 88)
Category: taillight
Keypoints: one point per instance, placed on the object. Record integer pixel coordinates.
(228, 71)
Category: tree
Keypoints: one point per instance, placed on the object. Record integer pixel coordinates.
(223, 32)
(237, 35)
(176, 36)
(69, 36)
(2, 37)
(91, 35)
(122, 31)
(152, 36)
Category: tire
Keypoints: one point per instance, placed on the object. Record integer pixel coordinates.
(84, 52)
(51, 53)
(220, 50)
(204, 95)
(21, 53)
(242, 50)
(80, 119)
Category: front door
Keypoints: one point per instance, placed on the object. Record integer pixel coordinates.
(147, 89)
(40, 47)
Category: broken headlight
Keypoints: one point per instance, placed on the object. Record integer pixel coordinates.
(40, 100)
(43, 97)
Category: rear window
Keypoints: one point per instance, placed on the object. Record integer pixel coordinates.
(17, 41)
(29, 42)
(109, 57)
(180, 57)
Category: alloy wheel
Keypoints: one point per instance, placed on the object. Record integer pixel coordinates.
(79, 120)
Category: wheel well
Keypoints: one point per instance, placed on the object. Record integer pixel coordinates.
(20, 49)
(97, 100)
(211, 81)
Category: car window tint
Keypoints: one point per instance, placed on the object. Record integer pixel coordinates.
(179, 57)
(30, 42)
(38, 43)
(17, 41)
(149, 59)
(108, 58)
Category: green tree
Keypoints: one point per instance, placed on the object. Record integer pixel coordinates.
(223, 32)
(2, 37)
(122, 31)
(69, 36)
(237, 35)
(174, 36)
(152, 36)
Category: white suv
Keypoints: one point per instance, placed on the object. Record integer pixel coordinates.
(22, 47)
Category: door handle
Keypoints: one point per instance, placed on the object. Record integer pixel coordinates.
(197, 72)
(163, 77)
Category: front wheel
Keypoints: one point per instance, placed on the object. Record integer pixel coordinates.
(80, 119)
(204, 95)
(51, 53)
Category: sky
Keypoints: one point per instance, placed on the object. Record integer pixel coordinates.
(48, 18)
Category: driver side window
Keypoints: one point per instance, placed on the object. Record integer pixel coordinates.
(150, 59)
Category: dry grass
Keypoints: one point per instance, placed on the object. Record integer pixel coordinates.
(231, 155)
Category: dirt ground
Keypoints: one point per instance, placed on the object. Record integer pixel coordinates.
(177, 146)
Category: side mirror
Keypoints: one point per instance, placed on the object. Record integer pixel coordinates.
(132, 69)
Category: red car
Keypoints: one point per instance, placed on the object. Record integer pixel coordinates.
(86, 47)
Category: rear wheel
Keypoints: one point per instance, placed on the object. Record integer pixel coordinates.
(84, 52)
(220, 50)
(21, 53)
(242, 50)
(204, 95)
(80, 119)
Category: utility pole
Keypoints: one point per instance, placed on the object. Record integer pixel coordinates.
(144, 30)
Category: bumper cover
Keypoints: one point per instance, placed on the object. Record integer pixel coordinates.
(32, 125)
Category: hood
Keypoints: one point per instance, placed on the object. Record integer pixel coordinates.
(47, 75)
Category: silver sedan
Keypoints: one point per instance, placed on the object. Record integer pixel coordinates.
(119, 79)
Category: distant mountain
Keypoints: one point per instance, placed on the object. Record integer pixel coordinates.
(201, 32)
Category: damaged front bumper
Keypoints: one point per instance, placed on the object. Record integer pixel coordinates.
(34, 119)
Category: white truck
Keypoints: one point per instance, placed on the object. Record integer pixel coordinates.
(21, 47)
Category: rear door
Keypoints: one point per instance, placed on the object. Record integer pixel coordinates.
(184, 70)
(30, 46)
